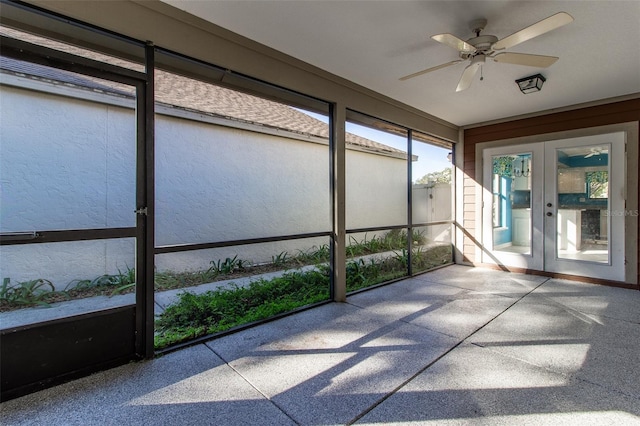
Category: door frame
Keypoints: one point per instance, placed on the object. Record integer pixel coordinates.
(534, 260)
(631, 132)
(77, 345)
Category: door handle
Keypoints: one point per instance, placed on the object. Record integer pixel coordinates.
(549, 214)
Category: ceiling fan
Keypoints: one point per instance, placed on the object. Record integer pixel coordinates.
(594, 151)
(477, 49)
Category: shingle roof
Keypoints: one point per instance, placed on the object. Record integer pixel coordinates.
(53, 75)
(189, 94)
(172, 89)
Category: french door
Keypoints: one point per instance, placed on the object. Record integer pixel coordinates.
(557, 206)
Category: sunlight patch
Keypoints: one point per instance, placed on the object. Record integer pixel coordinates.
(311, 340)
(218, 384)
(565, 419)
(279, 373)
(377, 373)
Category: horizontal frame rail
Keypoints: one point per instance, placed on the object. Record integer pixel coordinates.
(376, 229)
(440, 222)
(39, 237)
(22, 50)
(386, 228)
(202, 246)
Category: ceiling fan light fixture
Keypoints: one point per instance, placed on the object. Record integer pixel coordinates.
(531, 84)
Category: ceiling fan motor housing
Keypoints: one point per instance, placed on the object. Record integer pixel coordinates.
(482, 44)
(478, 59)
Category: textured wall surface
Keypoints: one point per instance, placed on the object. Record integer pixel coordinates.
(70, 164)
(432, 203)
(215, 184)
(376, 190)
(66, 163)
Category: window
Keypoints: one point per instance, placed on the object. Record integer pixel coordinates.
(598, 184)
(497, 202)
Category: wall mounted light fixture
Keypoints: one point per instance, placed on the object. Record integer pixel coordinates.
(531, 84)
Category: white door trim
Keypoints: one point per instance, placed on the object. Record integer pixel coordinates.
(631, 232)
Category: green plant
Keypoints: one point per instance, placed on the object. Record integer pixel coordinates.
(392, 239)
(199, 314)
(32, 292)
(280, 259)
(314, 256)
(355, 248)
(402, 257)
(356, 277)
(442, 176)
(122, 281)
(374, 245)
(229, 266)
(374, 267)
(423, 260)
(418, 237)
(361, 273)
(214, 311)
(200, 277)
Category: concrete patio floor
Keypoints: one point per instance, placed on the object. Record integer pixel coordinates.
(458, 345)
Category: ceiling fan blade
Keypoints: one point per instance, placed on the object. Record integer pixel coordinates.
(415, 74)
(539, 28)
(467, 76)
(538, 61)
(453, 41)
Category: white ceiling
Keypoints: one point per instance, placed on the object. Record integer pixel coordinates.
(374, 43)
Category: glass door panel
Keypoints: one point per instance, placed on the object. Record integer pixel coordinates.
(511, 228)
(511, 203)
(582, 224)
(584, 227)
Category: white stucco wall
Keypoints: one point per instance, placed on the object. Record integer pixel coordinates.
(432, 203)
(215, 184)
(68, 163)
(376, 190)
(65, 163)
(65, 262)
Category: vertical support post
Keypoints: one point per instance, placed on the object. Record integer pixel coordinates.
(409, 203)
(339, 235)
(145, 221)
(458, 198)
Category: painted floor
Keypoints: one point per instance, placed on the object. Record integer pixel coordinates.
(455, 346)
